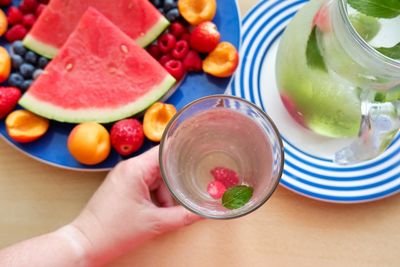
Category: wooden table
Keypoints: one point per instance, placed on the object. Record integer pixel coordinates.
(289, 230)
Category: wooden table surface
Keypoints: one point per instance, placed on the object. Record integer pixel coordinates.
(289, 230)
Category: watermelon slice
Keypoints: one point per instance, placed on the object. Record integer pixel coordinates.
(137, 18)
(100, 74)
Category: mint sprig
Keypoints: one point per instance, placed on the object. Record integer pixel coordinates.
(377, 8)
(392, 52)
(313, 54)
(236, 197)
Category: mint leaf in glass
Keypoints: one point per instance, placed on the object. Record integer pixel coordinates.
(392, 52)
(367, 27)
(236, 197)
(313, 54)
(377, 8)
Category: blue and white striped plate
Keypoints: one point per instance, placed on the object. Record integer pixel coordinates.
(309, 169)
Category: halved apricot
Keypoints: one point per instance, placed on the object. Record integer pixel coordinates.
(23, 126)
(198, 11)
(3, 23)
(89, 143)
(156, 119)
(5, 64)
(222, 61)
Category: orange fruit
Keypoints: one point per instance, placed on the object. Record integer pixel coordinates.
(197, 11)
(222, 61)
(24, 126)
(156, 119)
(3, 23)
(5, 64)
(89, 143)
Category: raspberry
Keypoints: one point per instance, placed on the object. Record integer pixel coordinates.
(17, 32)
(186, 37)
(180, 50)
(127, 136)
(39, 10)
(9, 97)
(28, 6)
(14, 16)
(44, 1)
(164, 59)
(192, 61)
(28, 21)
(177, 29)
(175, 68)
(154, 51)
(216, 189)
(4, 3)
(226, 176)
(166, 42)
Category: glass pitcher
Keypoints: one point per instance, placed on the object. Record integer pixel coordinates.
(336, 77)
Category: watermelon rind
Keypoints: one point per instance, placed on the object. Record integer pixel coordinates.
(100, 115)
(50, 51)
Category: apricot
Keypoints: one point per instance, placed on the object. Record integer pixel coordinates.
(3, 23)
(156, 119)
(23, 126)
(89, 143)
(222, 61)
(198, 11)
(5, 64)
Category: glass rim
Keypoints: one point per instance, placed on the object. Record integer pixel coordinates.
(264, 115)
(360, 41)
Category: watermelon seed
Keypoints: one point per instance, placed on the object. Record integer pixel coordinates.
(124, 49)
(69, 66)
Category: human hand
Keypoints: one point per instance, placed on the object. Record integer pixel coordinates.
(121, 215)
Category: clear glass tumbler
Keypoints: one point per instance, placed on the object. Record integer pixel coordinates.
(227, 132)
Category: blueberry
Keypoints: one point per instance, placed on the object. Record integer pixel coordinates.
(26, 84)
(161, 10)
(26, 70)
(18, 48)
(173, 14)
(37, 73)
(169, 4)
(42, 62)
(17, 60)
(157, 3)
(16, 80)
(31, 57)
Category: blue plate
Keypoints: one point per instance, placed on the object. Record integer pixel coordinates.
(52, 148)
(309, 169)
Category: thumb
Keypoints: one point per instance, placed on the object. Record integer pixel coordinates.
(176, 217)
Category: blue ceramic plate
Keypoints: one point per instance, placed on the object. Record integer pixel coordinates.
(309, 169)
(52, 148)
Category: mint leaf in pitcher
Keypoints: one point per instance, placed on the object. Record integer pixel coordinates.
(236, 197)
(313, 54)
(377, 8)
(392, 52)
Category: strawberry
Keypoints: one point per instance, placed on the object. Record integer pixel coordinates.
(166, 42)
(180, 50)
(205, 37)
(192, 61)
(17, 32)
(14, 15)
(127, 136)
(175, 68)
(226, 176)
(9, 97)
(216, 189)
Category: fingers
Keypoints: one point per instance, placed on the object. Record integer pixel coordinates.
(176, 217)
(164, 197)
(149, 167)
